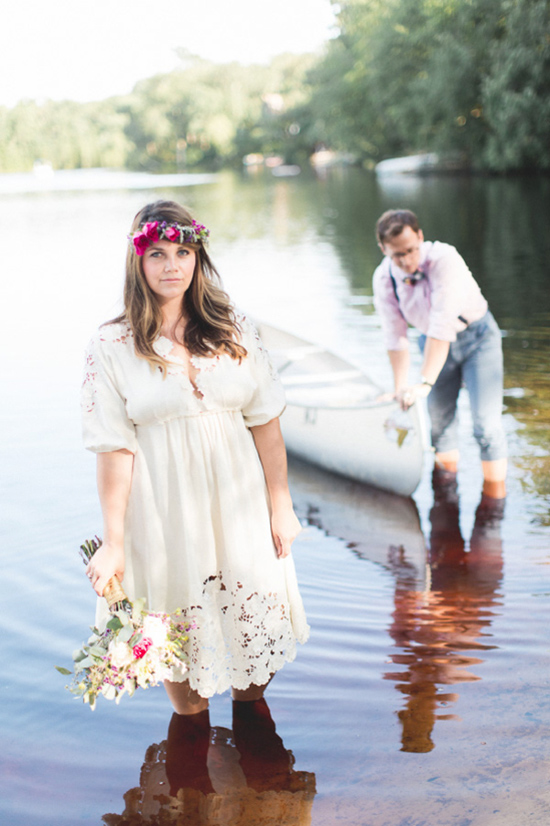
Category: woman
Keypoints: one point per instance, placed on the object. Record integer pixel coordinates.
(181, 405)
(428, 285)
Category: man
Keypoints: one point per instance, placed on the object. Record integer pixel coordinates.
(428, 285)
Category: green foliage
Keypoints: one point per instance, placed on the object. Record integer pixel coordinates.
(470, 77)
(517, 93)
(463, 76)
(203, 114)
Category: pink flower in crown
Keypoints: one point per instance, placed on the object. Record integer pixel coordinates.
(172, 233)
(150, 230)
(141, 242)
(141, 648)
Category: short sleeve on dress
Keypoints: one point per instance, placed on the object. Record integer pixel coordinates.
(268, 399)
(105, 422)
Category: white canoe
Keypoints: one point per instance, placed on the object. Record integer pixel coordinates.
(333, 419)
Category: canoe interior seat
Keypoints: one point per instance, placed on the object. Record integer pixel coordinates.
(332, 394)
(323, 378)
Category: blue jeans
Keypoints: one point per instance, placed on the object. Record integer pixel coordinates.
(475, 359)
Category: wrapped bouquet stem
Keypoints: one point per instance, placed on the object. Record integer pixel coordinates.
(136, 649)
(113, 592)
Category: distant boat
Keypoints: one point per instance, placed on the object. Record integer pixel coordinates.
(408, 165)
(334, 420)
(42, 169)
(286, 170)
(325, 158)
(422, 164)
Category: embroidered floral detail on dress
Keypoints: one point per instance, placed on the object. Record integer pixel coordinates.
(239, 638)
(119, 333)
(87, 399)
(115, 333)
(247, 325)
(163, 347)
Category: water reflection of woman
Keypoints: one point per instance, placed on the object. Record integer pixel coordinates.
(181, 405)
(210, 777)
(436, 628)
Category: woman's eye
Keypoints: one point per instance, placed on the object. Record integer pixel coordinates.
(183, 252)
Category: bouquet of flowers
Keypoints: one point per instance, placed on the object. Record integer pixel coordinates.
(137, 648)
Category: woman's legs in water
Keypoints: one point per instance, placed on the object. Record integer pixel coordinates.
(187, 701)
(250, 694)
(184, 699)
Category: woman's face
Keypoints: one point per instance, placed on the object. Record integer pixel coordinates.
(168, 269)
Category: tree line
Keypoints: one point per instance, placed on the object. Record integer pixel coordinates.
(466, 78)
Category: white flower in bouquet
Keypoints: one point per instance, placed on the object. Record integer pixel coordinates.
(120, 653)
(156, 629)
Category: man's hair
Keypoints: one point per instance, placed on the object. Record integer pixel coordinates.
(393, 222)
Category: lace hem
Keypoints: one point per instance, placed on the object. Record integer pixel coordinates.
(239, 639)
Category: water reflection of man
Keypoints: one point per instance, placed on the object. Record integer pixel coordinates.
(428, 285)
(436, 628)
(207, 776)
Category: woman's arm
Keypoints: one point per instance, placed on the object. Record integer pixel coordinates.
(285, 526)
(114, 477)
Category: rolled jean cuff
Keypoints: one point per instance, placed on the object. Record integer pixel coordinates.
(494, 451)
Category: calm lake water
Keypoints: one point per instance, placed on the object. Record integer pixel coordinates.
(422, 695)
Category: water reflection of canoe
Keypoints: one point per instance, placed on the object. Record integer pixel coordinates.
(333, 418)
(377, 525)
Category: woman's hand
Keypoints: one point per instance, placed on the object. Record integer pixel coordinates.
(408, 395)
(107, 562)
(285, 527)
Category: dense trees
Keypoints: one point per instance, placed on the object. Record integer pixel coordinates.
(470, 77)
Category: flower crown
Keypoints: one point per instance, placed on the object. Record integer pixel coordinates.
(154, 231)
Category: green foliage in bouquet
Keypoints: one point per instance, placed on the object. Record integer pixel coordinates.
(136, 650)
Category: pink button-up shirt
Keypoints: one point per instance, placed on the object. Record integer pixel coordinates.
(434, 304)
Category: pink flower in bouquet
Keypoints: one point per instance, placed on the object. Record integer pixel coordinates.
(141, 648)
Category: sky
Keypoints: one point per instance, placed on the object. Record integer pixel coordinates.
(71, 49)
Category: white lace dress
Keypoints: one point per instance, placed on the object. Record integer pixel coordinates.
(198, 532)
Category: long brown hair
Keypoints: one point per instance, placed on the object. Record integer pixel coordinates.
(211, 327)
